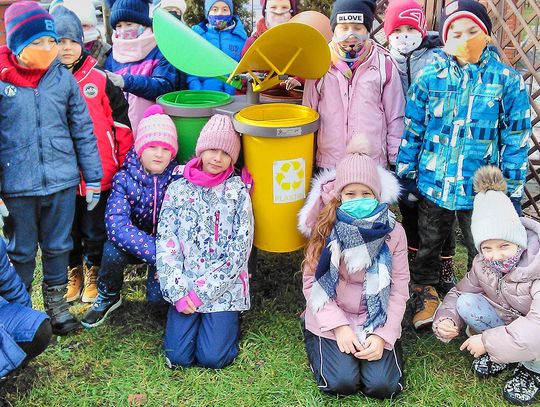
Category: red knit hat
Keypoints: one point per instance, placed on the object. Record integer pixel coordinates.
(404, 12)
(219, 134)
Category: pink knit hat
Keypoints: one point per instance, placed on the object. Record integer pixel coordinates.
(219, 134)
(358, 168)
(156, 129)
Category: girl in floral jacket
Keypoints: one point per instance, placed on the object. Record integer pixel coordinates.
(204, 239)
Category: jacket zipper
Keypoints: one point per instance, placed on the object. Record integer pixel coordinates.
(113, 148)
(154, 212)
(216, 226)
(409, 79)
(40, 139)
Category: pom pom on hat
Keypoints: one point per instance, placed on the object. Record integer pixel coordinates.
(156, 129)
(494, 216)
(358, 167)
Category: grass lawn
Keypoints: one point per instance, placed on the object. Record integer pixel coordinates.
(110, 364)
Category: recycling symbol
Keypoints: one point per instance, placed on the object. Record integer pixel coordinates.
(289, 180)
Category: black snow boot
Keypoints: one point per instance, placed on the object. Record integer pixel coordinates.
(57, 308)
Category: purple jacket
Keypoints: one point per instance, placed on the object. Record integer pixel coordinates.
(515, 297)
(133, 207)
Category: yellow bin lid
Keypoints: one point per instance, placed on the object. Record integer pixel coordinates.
(276, 120)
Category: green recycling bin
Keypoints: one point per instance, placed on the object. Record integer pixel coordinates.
(190, 110)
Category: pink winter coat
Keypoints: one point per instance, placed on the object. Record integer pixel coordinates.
(348, 308)
(515, 297)
(357, 106)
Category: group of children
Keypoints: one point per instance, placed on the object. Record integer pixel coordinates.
(437, 109)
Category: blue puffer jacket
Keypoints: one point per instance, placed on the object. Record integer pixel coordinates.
(458, 119)
(46, 135)
(13, 291)
(133, 207)
(230, 41)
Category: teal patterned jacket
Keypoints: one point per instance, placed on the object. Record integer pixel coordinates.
(458, 119)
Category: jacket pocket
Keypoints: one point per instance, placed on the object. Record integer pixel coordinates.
(63, 167)
(485, 107)
(15, 169)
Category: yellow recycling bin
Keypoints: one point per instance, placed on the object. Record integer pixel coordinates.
(278, 142)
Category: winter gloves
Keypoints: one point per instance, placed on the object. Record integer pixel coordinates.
(116, 79)
(93, 192)
(4, 213)
(410, 194)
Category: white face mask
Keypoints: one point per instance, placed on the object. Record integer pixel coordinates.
(91, 35)
(405, 43)
(274, 18)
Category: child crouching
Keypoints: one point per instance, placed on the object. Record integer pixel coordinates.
(204, 240)
(131, 217)
(499, 298)
(355, 280)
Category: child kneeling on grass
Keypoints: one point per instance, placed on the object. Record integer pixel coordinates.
(204, 240)
(131, 217)
(356, 277)
(499, 298)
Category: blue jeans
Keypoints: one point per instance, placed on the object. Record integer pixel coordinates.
(43, 220)
(111, 273)
(207, 340)
(480, 315)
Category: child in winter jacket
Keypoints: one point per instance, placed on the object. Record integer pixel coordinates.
(46, 138)
(499, 297)
(361, 91)
(356, 278)
(465, 110)
(86, 11)
(204, 239)
(136, 65)
(412, 48)
(274, 12)
(131, 216)
(225, 30)
(24, 332)
(109, 112)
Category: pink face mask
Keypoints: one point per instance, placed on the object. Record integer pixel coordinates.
(129, 33)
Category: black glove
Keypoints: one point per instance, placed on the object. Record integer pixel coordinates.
(517, 206)
(410, 194)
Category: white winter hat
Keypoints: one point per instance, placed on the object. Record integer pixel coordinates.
(494, 216)
(84, 9)
(181, 4)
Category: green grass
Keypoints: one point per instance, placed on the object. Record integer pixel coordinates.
(105, 365)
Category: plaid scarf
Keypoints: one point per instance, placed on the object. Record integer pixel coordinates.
(362, 245)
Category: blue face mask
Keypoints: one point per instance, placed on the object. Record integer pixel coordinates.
(359, 208)
(220, 22)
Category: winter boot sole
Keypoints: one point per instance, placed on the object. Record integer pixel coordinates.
(66, 328)
(74, 298)
(98, 323)
(88, 300)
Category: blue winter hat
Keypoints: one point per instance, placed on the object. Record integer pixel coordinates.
(134, 11)
(68, 25)
(26, 21)
(209, 3)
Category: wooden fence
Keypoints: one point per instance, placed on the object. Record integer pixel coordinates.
(516, 33)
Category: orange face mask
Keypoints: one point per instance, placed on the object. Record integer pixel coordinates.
(38, 58)
(468, 51)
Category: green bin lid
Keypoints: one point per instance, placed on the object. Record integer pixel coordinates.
(193, 103)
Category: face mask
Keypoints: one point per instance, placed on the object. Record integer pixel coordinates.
(405, 43)
(38, 58)
(219, 22)
(362, 38)
(274, 18)
(91, 35)
(359, 208)
(468, 51)
(129, 33)
(505, 265)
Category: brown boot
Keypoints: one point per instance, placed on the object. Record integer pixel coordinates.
(90, 291)
(425, 304)
(75, 283)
